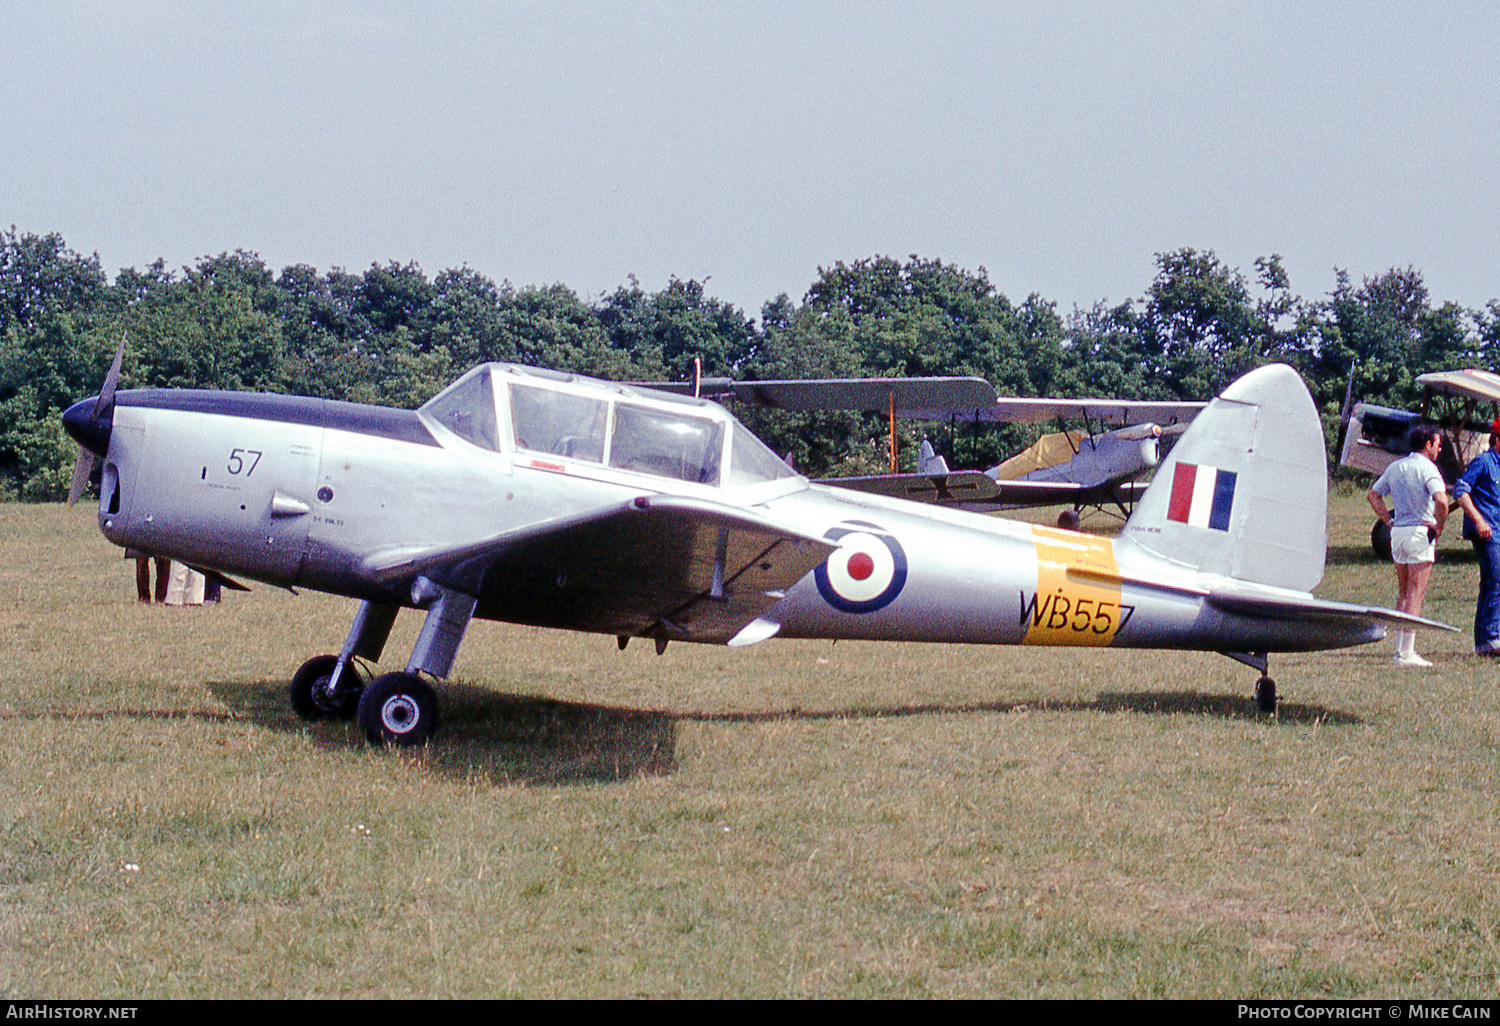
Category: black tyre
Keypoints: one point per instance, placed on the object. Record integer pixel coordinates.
(398, 709)
(1380, 539)
(1265, 695)
(310, 698)
(1069, 520)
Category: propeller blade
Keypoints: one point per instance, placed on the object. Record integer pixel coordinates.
(83, 467)
(107, 392)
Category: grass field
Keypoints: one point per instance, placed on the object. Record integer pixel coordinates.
(791, 820)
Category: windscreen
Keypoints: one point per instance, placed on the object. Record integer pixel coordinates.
(467, 408)
(751, 461)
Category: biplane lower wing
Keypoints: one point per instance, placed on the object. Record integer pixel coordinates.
(973, 489)
(659, 566)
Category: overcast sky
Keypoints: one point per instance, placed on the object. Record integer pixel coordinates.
(1060, 145)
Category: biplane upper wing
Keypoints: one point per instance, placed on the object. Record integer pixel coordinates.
(967, 398)
(659, 566)
(1466, 384)
(1116, 412)
(908, 395)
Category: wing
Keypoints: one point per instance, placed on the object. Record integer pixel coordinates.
(943, 489)
(964, 398)
(665, 567)
(961, 394)
(1009, 410)
(972, 489)
(1466, 384)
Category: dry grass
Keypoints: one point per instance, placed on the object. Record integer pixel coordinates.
(798, 819)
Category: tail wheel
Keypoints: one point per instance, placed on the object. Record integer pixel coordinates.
(1265, 695)
(398, 709)
(311, 698)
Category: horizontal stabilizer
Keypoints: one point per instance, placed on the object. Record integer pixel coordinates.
(1313, 609)
(1278, 605)
(224, 582)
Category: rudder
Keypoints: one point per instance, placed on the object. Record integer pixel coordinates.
(1244, 492)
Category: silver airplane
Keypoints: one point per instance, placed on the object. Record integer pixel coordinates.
(549, 499)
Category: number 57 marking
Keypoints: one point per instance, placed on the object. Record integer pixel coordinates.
(237, 461)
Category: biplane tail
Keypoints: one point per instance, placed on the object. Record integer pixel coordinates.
(1244, 492)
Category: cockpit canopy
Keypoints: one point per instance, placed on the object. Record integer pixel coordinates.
(503, 407)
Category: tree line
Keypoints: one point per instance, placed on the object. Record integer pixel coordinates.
(391, 335)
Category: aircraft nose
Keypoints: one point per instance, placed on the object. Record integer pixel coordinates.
(87, 430)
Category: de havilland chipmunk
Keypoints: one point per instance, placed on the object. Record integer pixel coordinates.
(554, 500)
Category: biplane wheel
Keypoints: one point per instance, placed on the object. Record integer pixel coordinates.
(1069, 520)
(398, 709)
(1265, 695)
(1380, 539)
(311, 700)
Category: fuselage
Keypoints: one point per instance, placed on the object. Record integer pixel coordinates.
(300, 492)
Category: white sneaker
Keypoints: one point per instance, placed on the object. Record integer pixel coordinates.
(1409, 660)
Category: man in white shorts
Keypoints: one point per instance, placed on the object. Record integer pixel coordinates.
(1420, 499)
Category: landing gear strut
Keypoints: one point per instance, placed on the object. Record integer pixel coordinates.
(396, 708)
(1265, 688)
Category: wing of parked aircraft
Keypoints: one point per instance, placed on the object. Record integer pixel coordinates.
(660, 566)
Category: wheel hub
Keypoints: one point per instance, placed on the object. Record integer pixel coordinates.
(399, 714)
(323, 694)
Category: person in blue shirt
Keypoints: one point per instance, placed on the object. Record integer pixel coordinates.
(1478, 495)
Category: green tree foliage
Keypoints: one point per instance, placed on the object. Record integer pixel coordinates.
(390, 335)
(1204, 329)
(53, 319)
(665, 332)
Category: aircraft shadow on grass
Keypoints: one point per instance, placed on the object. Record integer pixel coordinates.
(535, 740)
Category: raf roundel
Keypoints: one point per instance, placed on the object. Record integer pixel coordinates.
(866, 572)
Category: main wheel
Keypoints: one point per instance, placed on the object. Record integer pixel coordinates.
(1380, 539)
(1069, 520)
(311, 699)
(398, 709)
(1265, 694)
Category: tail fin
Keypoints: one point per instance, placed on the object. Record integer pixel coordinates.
(929, 462)
(1244, 492)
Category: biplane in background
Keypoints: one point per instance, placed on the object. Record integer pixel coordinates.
(553, 500)
(1096, 467)
(1461, 404)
